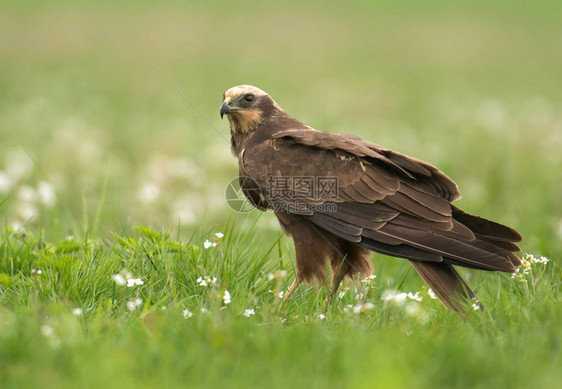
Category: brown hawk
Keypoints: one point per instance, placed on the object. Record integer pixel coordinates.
(340, 197)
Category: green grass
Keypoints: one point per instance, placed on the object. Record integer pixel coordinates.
(95, 144)
(46, 340)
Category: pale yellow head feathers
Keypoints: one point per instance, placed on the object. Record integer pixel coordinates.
(241, 90)
(243, 107)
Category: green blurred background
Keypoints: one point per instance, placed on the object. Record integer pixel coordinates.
(86, 117)
(95, 140)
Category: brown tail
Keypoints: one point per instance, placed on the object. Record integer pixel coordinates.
(447, 285)
(501, 236)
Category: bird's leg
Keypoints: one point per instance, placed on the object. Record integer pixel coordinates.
(289, 293)
(291, 290)
(339, 270)
(336, 280)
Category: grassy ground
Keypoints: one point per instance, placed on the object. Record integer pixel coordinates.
(108, 175)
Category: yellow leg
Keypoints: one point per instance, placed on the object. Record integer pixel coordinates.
(291, 290)
(330, 298)
(288, 294)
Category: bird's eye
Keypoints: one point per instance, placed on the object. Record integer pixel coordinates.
(249, 98)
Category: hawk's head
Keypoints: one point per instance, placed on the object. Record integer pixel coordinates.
(246, 107)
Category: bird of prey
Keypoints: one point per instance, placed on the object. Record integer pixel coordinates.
(340, 197)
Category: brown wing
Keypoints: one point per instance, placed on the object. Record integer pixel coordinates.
(386, 202)
(410, 167)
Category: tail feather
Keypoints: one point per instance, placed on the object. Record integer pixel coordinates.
(488, 231)
(447, 285)
(508, 246)
(433, 248)
(444, 280)
(487, 228)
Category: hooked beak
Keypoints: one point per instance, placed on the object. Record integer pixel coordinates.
(225, 109)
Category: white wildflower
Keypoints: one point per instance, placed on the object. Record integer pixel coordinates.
(187, 313)
(369, 279)
(431, 294)
(249, 312)
(526, 267)
(204, 310)
(475, 306)
(77, 311)
(219, 235)
(19, 165)
(362, 307)
(134, 304)
(26, 211)
(321, 316)
(46, 193)
(281, 294)
(119, 279)
(277, 274)
(27, 194)
(15, 224)
(368, 306)
(208, 244)
(183, 211)
(394, 296)
(416, 311)
(413, 309)
(415, 297)
(399, 298)
(359, 296)
(134, 281)
(206, 281)
(36, 272)
(226, 297)
(47, 330)
(5, 183)
(149, 193)
(543, 260)
(341, 294)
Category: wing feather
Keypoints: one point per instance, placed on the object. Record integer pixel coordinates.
(386, 201)
(337, 227)
(400, 251)
(472, 253)
(411, 207)
(437, 204)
